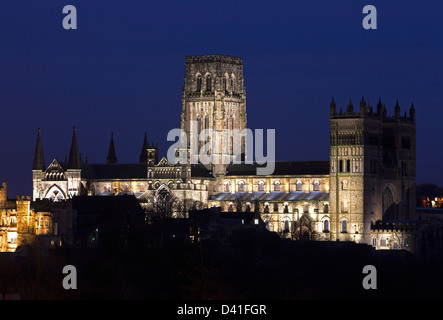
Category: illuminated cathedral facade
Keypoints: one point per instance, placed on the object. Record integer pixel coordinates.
(364, 192)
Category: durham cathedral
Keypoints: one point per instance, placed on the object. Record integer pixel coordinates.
(364, 192)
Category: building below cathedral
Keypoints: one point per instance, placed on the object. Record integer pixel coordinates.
(364, 192)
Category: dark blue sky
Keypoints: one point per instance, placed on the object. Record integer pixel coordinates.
(122, 70)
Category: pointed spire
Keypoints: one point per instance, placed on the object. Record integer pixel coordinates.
(412, 112)
(350, 107)
(144, 153)
(112, 157)
(397, 111)
(74, 161)
(332, 108)
(39, 161)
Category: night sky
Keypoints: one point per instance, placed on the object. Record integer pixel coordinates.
(122, 70)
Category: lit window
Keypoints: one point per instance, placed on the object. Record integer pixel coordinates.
(277, 186)
(299, 186)
(255, 221)
(316, 186)
(241, 186)
(261, 186)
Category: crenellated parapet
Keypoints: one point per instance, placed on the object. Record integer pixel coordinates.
(367, 111)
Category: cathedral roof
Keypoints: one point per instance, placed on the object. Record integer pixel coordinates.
(271, 196)
(281, 168)
(200, 171)
(114, 171)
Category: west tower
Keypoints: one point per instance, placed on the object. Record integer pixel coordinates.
(214, 97)
(372, 168)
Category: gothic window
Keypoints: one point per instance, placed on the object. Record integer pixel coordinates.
(199, 83)
(261, 186)
(227, 187)
(232, 85)
(374, 242)
(248, 207)
(316, 186)
(299, 186)
(348, 165)
(306, 208)
(231, 208)
(225, 88)
(266, 209)
(241, 186)
(275, 207)
(208, 83)
(340, 166)
(388, 202)
(383, 241)
(277, 186)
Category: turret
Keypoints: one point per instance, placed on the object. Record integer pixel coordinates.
(412, 113)
(397, 111)
(332, 107)
(350, 108)
(144, 153)
(74, 161)
(112, 157)
(39, 161)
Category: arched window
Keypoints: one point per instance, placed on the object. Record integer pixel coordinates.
(241, 186)
(344, 226)
(286, 209)
(326, 208)
(348, 165)
(227, 186)
(299, 186)
(199, 83)
(248, 207)
(232, 85)
(383, 241)
(388, 203)
(208, 83)
(231, 208)
(286, 226)
(306, 208)
(266, 209)
(142, 188)
(275, 207)
(277, 186)
(326, 225)
(316, 186)
(261, 186)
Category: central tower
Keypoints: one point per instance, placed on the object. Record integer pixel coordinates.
(214, 98)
